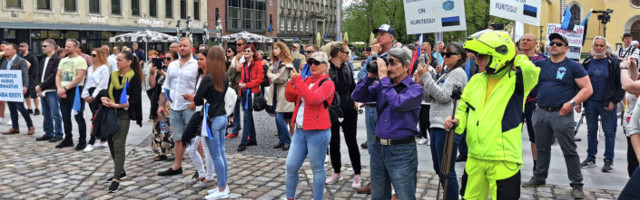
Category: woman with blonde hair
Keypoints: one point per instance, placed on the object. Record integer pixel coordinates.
(97, 80)
(282, 65)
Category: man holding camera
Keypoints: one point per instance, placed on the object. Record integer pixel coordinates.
(491, 111)
(394, 156)
(385, 35)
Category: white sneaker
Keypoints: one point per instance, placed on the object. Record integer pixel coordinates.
(334, 178)
(214, 190)
(218, 194)
(422, 141)
(357, 182)
(88, 148)
(100, 144)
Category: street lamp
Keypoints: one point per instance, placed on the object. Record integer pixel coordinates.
(205, 37)
(178, 29)
(219, 31)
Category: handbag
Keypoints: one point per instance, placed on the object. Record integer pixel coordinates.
(193, 128)
(259, 102)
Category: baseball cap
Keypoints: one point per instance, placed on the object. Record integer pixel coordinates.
(320, 57)
(296, 45)
(384, 28)
(553, 36)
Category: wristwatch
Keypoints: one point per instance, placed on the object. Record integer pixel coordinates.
(572, 102)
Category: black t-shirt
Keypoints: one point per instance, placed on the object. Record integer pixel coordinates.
(345, 84)
(33, 70)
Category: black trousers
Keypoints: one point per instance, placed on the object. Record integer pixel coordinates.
(424, 120)
(349, 127)
(153, 95)
(66, 106)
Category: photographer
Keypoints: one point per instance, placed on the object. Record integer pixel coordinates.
(394, 157)
(385, 35)
(150, 73)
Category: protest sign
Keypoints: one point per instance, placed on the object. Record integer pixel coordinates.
(525, 11)
(427, 16)
(11, 86)
(574, 37)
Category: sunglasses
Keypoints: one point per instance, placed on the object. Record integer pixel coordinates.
(229, 51)
(308, 52)
(558, 44)
(314, 62)
(239, 44)
(168, 58)
(94, 55)
(448, 54)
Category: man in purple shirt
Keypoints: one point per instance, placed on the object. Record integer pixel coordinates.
(394, 158)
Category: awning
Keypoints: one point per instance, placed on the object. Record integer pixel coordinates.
(87, 27)
(144, 36)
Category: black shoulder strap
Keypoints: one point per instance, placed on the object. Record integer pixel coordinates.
(326, 104)
(519, 82)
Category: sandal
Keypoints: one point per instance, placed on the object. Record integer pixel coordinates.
(160, 157)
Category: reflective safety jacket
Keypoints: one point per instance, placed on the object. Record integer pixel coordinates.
(494, 128)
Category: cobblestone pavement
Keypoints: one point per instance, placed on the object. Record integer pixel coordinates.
(36, 170)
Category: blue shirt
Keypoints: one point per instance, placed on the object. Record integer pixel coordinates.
(399, 118)
(306, 71)
(598, 71)
(556, 84)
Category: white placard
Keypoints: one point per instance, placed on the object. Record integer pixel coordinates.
(429, 16)
(11, 86)
(574, 37)
(525, 11)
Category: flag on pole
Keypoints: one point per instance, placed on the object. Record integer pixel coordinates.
(77, 105)
(567, 23)
(123, 95)
(270, 25)
(420, 44)
(584, 23)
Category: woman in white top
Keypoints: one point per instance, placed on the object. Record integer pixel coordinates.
(97, 80)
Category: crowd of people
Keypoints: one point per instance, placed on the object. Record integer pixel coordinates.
(407, 92)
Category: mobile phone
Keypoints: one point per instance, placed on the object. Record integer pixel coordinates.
(421, 60)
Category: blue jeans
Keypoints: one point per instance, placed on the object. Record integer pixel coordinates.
(236, 118)
(438, 137)
(283, 129)
(216, 148)
(608, 119)
(51, 114)
(370, 120)
(179, 120)
(249, 132)
(397, 165)
(14, 108)
(313, 143)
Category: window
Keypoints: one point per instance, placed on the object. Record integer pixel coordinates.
(14, 3)
(635, 29)
(281, 23)
(135, 7)
(153, 8)
(44, 4)
(301, 22)
(247, 15)
(168, 9)
(295, 25)
(575, 14)
(115, 7)
(183, 9)
(70, 5)
(288, 23)
(94, 6)
(196, 9)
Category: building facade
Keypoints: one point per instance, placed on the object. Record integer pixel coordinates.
(254, 16)
(92, 22)
(303, 20)
(624, 19)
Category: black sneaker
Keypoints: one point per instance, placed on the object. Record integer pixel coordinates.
(30, 111)
(122, 177)
(588, 163)
(44, 138)
(252, 143)
(608, 167)
(242, 147)
(37, 112)
(364, 145)
(533, 182)
(65, 143)
(81, 145)
(55, 139)
(170, 172)
(114, 186)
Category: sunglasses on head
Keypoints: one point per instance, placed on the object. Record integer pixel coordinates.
(314, 62)
(558, 44)
(448, 54)
(94, 55)
(308, 52)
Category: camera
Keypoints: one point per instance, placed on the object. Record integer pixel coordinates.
(372, 67)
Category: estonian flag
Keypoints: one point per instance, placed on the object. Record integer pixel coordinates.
(567, 23)
(270, 25)
(530, 11)
(77, 105)
(123, 95)
(584, 23)
(167, 94)
(451, 21)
